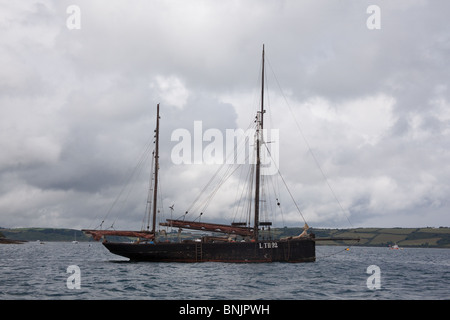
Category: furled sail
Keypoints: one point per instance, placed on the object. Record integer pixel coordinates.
(214, 227)
(98, 234)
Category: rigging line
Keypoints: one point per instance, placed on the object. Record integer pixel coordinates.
(160, 199)
(247, 209)
(194, 204)
(225, 176)
(244, 204)
(222, 181)
(268, 102)
(264, 209)
(337, 252)
(149, 196)
(237, 202)
(204, 188)
(136, 173)
(285, 184)
(277, 193)
(141, 160)
(233, 153)
(208, 184)
(148, 207)
(160, 206)
(241, 191)
(309, 147)
(250, 190)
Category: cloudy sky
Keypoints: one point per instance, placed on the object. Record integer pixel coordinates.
(363, 114)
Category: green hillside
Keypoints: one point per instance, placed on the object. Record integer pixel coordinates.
(404, 237)
(44, 234)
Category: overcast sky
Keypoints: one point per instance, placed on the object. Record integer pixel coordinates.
(368, 108)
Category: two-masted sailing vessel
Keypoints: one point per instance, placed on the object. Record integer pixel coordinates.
(241, 242)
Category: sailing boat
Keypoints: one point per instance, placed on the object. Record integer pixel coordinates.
(75, 240)
(251, 248)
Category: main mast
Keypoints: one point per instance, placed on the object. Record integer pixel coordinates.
(259, 132)
(155, 186)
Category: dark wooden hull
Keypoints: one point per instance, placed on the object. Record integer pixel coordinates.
(298, 250)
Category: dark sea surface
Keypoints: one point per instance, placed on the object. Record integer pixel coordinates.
(39, 271)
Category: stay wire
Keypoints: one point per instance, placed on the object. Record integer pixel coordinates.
(195, 206)
(135, 170)
(309, 147)
(285, 184)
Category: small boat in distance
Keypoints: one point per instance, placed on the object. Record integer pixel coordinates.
(75, 236)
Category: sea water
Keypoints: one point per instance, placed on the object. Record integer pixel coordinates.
(88, 271)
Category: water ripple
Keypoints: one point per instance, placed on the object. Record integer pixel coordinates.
(34, 271)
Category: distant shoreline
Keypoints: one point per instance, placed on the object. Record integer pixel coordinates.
(426, 237)
(11, 241)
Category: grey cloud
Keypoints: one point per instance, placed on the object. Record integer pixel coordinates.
(78, 106)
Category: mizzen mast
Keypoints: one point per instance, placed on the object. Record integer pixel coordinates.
(145, 234)
(155, 186)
